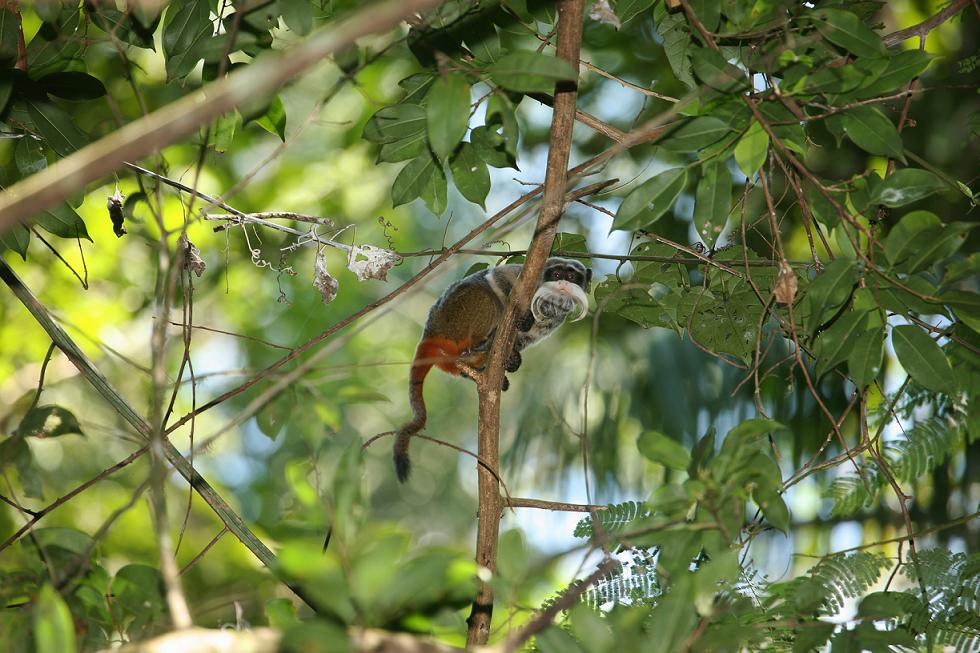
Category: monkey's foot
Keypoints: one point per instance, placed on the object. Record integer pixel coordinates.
(505, 384)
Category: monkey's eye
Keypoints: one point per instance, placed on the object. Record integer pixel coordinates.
(554, 274)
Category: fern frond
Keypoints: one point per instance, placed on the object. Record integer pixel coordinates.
(851, 492)
(613, 519)
(925, 446)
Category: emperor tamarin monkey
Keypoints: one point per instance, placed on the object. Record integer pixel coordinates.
(463, 321)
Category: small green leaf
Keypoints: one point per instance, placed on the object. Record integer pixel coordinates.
(404, 149)
(16, 239)
(412, 179)
(447, 113)
(48, 422)
(922, 358)
(470, 174)
(677, 43)
(501, 111)
(695, 134)
(906, 186)
(491, 148)
(712, 200)
(846, 30)
(530, 72)
(650, 200)
(223, 131)
(54, 629)
(63, 221)
(941, 245)
(873, 132)
(659, 448)
(274, 119)
(751, 150)
(902, 68)
(9, 35)
(395, 123)
(281, 613)
(72, 85)
(56, 127)
(435, 191)
(864, 361)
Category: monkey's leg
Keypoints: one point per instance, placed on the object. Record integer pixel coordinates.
(525, 322)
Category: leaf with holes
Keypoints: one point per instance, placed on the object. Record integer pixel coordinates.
(922, 358)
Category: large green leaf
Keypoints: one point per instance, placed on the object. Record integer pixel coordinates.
(829, 290)
(834, 345)
(846, 30)
(922, 358)
(900, 70)
(298, 15)
(712, 200)
(873, 132)
(650, 200)
(394, 123)
(864, 361)
(186, 30)
(63, 221)
(906, 186)
(530, 72)
(56, 127)
(695, 134)
(661, 449)
(54, 629)
(751, 150)
(447, 113)
(415, 179)
(470, 174)
(56, 44)
(712, 69)
(906, 237)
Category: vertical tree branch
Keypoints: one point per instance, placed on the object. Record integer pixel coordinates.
(570, 17)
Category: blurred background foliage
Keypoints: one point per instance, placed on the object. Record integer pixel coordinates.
(292, 470)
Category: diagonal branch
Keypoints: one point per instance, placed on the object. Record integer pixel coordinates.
(91, 374)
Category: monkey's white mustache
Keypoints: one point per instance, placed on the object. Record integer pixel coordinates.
(555, 299)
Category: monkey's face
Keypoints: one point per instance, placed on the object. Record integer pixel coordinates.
(562, 290)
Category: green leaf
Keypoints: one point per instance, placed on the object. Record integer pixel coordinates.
(395, 123)
(835, 344)
(902, 68)
(54, 629)
(844, 29)
(906, 237)
(530, 72)
(501, 111)
(661, 449)
(9, 35)
(906, 186)
(650, 200)
(56, 127)
(486, 47)
(922, 358)
(812, 636)
(708, 12)
(298, 15)
(491, 148)
(16, 239)
(470, 174)
(941, 245)
(55, 45)
(830, 289)
(72, 85)
(821, 208)
(274, 119)
(435, 191)
(281, 613)
(677, 43)
(223, 131)
(555, 640)
(629, 9)
(63, 221)
(712, 200)
(695, 134)
(412, 179)
(773, 508)
(29, 156)
(404, 149)
(48, 422)
(864, 361)
(137, 592)
(752, 148)
(186, 30)
(447, 113)
(416, 86)
(712, 69)
(873, 132)
(6, 89)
